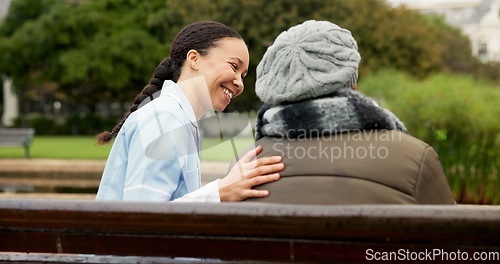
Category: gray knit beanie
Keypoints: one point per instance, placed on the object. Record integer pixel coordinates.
(309, 60)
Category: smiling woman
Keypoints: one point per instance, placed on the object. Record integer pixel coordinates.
(155, 156)
(219, 72)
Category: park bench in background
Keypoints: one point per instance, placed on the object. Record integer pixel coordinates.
(17, 137)
(49, 178)
(67, 179)
(68, 231)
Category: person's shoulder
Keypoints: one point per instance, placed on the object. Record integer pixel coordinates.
(168, 104)
(405, 137)
(161, 107)
(157, 117)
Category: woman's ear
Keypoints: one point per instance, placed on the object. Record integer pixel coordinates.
(192, 59)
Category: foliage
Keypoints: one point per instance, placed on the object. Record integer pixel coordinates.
(91, 124)
(21, 12)
(488, 72)
(455, 114)
(106, 50)
(388, 37)
(85, 48)
(457, 52)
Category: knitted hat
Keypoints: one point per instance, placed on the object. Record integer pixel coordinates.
(309, 60)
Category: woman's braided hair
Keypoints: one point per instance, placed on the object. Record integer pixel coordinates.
(199, 36)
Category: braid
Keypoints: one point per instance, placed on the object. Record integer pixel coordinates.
(200, 36)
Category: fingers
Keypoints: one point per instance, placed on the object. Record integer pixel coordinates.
(265, 170)
(262, 161)
(247, 173)
(249, 166)
(262, 179)
(250, 183)
(256, 194)
(250, 155)
(242, 189)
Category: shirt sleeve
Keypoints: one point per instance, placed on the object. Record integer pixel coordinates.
(209, 193)
(157, 159)
(151, 180)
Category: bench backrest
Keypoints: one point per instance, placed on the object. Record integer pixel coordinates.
(16, 136)
(237, 231)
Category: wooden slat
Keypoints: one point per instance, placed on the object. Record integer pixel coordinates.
(20, 258)
(242, 231)
(50, 183)
(48, 195)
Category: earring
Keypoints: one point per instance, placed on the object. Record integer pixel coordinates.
(193, 65)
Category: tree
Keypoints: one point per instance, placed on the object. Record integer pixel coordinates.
(387, 37)
(87, 49)
(92, 50)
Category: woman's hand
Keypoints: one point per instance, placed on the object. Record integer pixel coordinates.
(247, 173)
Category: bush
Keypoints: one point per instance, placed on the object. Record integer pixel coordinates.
(42, 125)
(456, 115)
(72, 125)
(87, 124)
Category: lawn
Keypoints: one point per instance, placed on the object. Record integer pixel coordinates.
(84, 147)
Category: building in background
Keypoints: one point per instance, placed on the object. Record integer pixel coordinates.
(4, 7)
(478, 19)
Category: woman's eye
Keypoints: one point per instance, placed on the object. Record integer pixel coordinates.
(234, 66)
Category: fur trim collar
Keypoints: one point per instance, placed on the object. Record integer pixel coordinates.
(342, 111)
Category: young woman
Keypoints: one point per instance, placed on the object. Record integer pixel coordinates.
(155, 156)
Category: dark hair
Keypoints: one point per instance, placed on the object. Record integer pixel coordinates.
(199, 36)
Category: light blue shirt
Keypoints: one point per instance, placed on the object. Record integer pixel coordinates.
(155, 155)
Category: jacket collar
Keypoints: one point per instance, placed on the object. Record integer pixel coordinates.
(173, 90)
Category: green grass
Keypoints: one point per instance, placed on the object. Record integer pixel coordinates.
(60, 147)
(213, 150)
(84, 147)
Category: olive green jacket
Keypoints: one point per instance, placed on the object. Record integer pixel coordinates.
(367, 167)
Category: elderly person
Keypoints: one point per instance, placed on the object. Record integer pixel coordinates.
(338, 145)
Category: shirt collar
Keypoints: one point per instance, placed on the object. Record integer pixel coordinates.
(172, 89)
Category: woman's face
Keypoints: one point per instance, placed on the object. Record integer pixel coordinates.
(224, 68)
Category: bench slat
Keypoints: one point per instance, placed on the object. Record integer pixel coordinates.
(264, 232)
(45, 195)
(51, 183)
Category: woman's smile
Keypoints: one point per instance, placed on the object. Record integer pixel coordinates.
(227, 93)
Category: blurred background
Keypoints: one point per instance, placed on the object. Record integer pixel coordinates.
(70, 69)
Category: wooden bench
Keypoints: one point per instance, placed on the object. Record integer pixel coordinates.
(17, 137)
(69, 231)
(48, 185)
